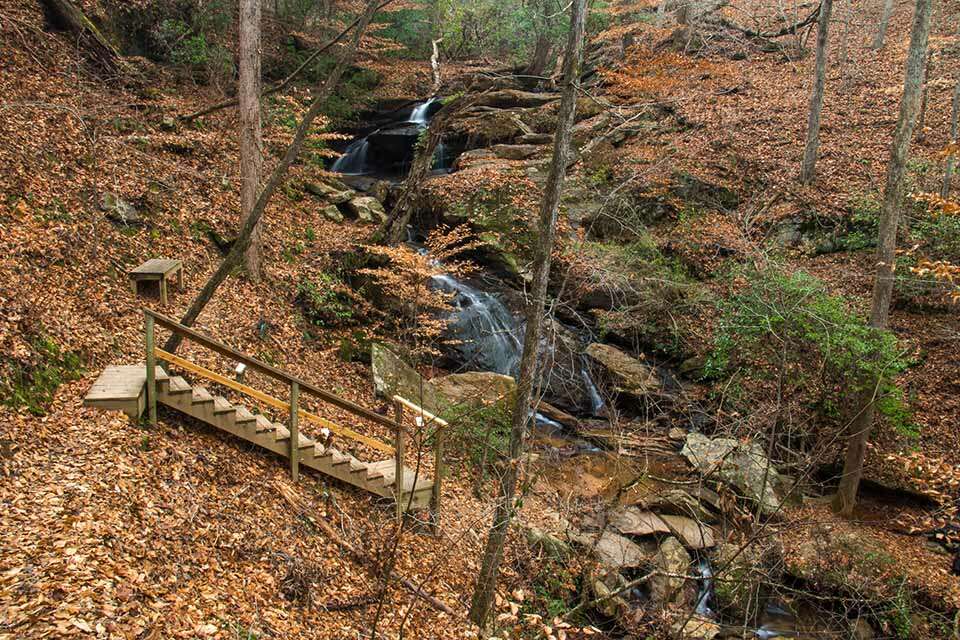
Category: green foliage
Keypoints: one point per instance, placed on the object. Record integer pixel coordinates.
(325, 300)
(786, 324)
(31, 384)
(482, 433)
(862, 226)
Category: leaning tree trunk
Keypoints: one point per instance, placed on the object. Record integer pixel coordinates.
(808, 169)
(490, 565)
(250, 129)
(70, 17)
(861, 425)
(235, 257)
(951, 159)
(882, 27)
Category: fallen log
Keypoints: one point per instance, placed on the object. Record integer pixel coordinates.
(67, 15)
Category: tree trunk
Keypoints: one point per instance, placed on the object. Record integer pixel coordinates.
(67, 15)
(808, 169)
(435, 65)
(541, 55)
(235, 257)
(884, 21)
(250, 132)
(487, 581)
(861, 425)
(922, 118)
(951, 159)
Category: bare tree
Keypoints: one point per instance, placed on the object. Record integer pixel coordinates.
(503, 513)
(808, 169)
(235, 257)
(251, 139)
(951, 159)
(861, 425)
(882, 27)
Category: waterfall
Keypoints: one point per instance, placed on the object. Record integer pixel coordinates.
(486, 330)
(419, 113)
(354, 158)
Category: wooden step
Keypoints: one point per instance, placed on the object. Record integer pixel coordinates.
(222, 405)
(179, 385)
(201, 395)
(378, 470)
(245, 417)
(264, 425)
(122, 388)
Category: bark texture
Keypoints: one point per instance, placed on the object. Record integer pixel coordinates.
(251, 141)
(951, 160)
(503, 513)
(70, 16)
(882, 27)
(861, 425)
(235, 257)
(808, 169)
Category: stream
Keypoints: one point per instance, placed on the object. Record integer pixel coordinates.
(486, 335)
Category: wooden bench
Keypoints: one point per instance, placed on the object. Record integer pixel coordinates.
(160, 270)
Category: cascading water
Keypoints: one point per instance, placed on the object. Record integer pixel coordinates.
(486, 331)
(354, 158)
(357, 158)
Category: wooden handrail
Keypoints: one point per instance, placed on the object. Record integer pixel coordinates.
(273, 372)
(420, 410)
(267, 399)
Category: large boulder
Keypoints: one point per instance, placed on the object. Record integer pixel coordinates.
(743, 466)
(367, 209)
(392, 376)
(119, 210)
(510, 98)
(669, 587)
(331, 193)
(636, 522)
(748, 572)
(516, 151)
(627, 374)
(393, 145)
(475, 388)
(613, 551)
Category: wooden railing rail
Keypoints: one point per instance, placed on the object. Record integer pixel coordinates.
(297, 387)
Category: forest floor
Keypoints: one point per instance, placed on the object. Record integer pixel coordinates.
(110, 529)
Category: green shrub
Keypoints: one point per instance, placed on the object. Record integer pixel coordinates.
(779, 324)
(326, 301)
(482, 433)
(32, 383)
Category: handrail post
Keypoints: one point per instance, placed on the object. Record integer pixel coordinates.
(398, 453)
(151, 369)
(437, 477)
(295, 431)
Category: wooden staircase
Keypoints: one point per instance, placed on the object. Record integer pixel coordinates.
(135, 389)
(128, 382)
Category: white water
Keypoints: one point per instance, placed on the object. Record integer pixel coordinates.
(354, 158)
(419, 113)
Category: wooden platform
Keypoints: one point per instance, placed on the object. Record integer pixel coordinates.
(122, 387)
(160, 270)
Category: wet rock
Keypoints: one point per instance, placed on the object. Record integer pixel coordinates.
(671, 589)
(744, 590)
(488, 127)
(602, 586)
(745, 467)
(394, 145)
(367, 209)
(559, 416)
(614, 551)
(392, 376)
(475, 388)
(637, 522)
(696, 628)
(516, 151)
(547, 543)
(676, 502)
(331, 212)
(627, 374)
(535, 138)
(510, 98)
(473, 157)
(119, 210)
(333, 194)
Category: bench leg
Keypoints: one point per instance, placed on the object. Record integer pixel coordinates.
(180, 279)
(163, 292)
